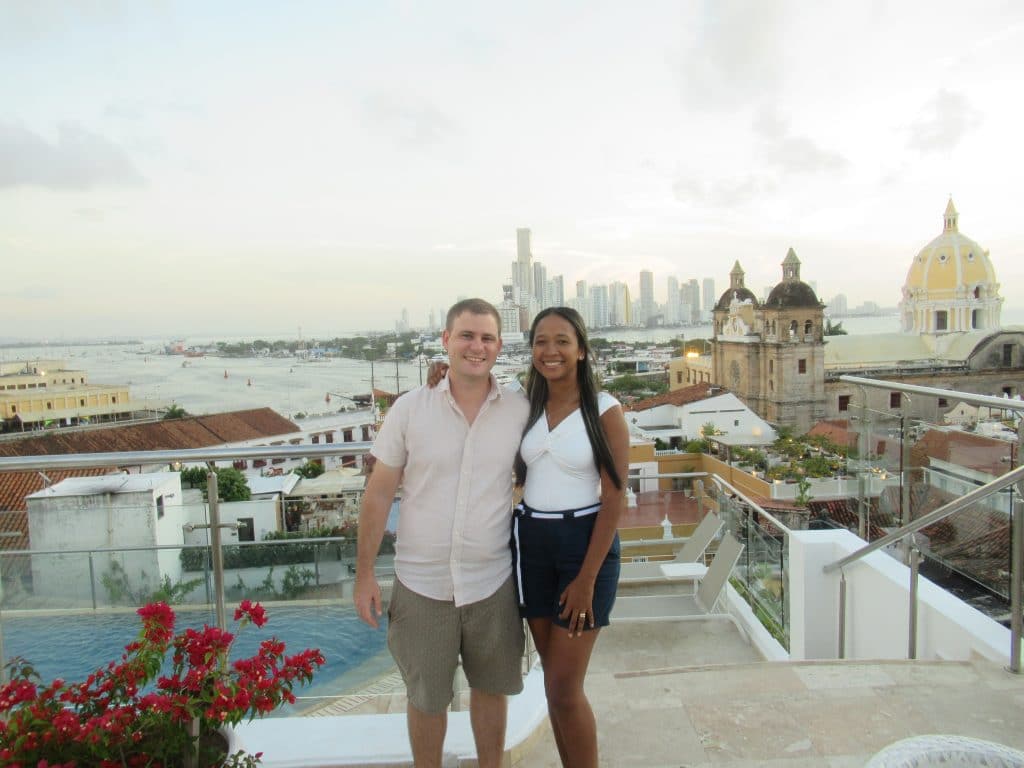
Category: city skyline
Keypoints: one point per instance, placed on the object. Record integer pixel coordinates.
(175, 170)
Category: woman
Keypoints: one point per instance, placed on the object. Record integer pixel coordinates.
(572, 464)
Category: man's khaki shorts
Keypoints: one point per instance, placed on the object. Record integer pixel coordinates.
(426, 638)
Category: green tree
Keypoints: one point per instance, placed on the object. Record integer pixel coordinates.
(175, 412)
(231, 485)
(803, 496)
(310, 469)
(833, 330)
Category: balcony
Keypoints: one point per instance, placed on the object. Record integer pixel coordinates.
(801, 662)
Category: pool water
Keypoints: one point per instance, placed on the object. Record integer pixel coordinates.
(72, 646)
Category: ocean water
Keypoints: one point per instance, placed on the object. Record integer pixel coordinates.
(289, 386)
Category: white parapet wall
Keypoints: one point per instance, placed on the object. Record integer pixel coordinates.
(878, 608)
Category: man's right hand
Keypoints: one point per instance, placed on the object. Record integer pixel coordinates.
(367, 599)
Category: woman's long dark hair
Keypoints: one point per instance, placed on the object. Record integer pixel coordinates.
(586, 380)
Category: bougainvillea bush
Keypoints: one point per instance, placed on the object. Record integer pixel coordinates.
(130, 714)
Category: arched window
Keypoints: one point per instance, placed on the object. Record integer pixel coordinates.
(792, 328)
(807, 327)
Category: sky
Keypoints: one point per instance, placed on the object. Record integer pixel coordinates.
(187, 168)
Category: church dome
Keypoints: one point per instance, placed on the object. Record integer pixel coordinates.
(951, 284)
(739, 294)
(736, 291)
(787, 295)
(792, 292)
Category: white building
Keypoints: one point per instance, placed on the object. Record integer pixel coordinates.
(678, 416)
(112, 511)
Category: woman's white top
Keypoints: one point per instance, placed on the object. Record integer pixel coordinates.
(561, 473)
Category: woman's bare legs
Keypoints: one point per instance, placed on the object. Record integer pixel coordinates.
(565, 659)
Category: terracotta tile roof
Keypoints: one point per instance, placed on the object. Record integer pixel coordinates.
(192, 432)
(840, 433)
(974, 542)
(677, 397)
(844, 513)
(836, 430)
(982, 454)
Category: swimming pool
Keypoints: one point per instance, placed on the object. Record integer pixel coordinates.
(73, 645)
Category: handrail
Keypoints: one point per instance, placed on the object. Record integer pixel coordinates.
(990, 401)
(1001, 482)
(725, 484)
(179, 456)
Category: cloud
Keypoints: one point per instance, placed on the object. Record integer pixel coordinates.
(77, 160)
(406, 118)
(734, 57)
(793, 154)
(727, 193)
(943, 122)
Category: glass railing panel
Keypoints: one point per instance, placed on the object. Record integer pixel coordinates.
(761, 575)
(922, 455)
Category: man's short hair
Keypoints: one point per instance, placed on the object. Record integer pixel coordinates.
(474, 307)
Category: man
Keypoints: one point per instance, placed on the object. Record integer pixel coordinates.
(452, 448)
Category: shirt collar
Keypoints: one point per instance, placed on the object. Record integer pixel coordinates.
(496, 392)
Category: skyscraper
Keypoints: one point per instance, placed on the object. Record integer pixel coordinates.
(708, 304)
(646, 296)
(522, 267)
(620, 311)
(558, 291)
(599, 307)
(540, 279)
(672, 314)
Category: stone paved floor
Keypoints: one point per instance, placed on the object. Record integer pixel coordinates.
(678, 696)
(694, 694)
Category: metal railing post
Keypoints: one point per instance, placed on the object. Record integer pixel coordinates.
(3, 659)
(842, 615)
(92, 580)
(915, 566)
(1016, 575)
(216, 555)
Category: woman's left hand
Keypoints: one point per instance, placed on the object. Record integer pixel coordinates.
(577, 605)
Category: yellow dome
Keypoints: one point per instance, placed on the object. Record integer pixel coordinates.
(951, 285)
(950, 262)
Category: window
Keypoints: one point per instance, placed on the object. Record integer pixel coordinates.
(943, 402)
(941, 320)
(113, 399)
(1008, 355)
(801, 365)
(347, 435)
(894, 399)
(49, 405)
(735, 422)
(330, 437)
(975, 318)
(771, 366)
(159, 507)
(81, 401)
(1008, 391)
(807, 328)
(315, 439)
(246, 529)
(844, 402)
(679, 377)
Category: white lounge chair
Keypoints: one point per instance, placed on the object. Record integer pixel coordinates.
(691, 553)
(695, 605)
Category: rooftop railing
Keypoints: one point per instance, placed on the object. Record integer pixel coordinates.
(974, 478)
